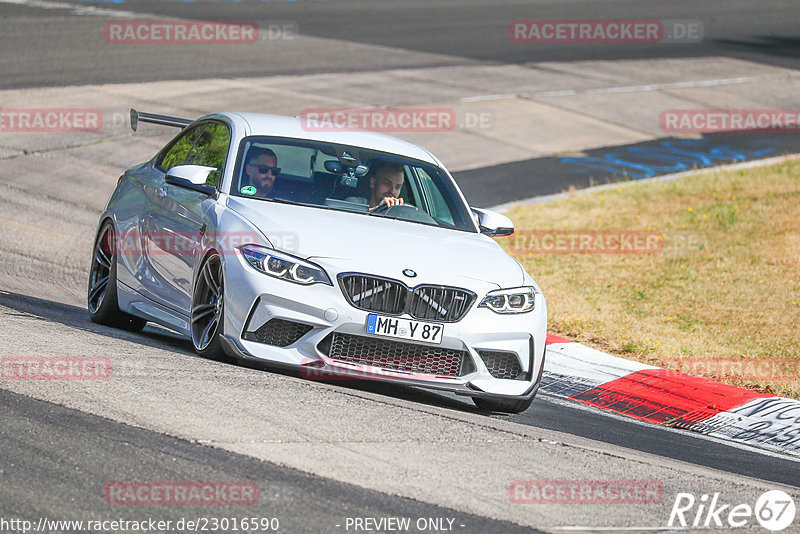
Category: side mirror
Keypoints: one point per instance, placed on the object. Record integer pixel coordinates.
(192, 177)
(492, 223)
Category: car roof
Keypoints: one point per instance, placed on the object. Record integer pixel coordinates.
(295, 127)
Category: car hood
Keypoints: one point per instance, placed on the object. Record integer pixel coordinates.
(344, 241)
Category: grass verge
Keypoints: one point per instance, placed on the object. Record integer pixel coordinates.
(716, 295)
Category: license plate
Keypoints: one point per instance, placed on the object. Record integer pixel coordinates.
(404, 328)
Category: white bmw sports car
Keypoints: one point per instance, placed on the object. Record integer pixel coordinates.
(340, 253)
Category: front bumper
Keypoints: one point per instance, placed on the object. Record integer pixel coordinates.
(252, 299)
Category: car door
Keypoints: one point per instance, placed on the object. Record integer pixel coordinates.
(176, 222)
(141, 243)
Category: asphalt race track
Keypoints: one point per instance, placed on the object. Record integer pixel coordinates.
(455, 32)
(323, 454)
(302, 502)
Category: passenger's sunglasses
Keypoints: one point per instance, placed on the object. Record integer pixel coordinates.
(264, 169)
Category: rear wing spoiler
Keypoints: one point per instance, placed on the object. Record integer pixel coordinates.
(164, 120)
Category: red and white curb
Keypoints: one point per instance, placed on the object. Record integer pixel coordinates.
(670, 398)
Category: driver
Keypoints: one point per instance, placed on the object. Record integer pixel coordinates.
(385, 185)
(261, 170)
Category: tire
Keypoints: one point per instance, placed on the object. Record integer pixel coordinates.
(101, 294)
(208, 309)
(502, 405)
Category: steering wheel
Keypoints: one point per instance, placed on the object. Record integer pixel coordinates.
(407, 212)
(386, 209)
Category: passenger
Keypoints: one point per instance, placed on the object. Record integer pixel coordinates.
(385, 184)
(261, 170)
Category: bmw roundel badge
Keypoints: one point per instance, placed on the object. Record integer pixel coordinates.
(409, 273)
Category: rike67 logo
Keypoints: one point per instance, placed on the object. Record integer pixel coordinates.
(774, 510)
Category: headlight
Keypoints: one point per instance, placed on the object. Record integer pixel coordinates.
(515, 300)
(283, 266)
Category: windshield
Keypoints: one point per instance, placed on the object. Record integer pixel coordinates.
(346, 178)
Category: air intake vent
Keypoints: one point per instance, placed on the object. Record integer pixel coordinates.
(374, 294)
(397, 356)
(278, 332)
(426, 302)
(502, 364)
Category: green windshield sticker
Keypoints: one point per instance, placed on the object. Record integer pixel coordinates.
(248, 190)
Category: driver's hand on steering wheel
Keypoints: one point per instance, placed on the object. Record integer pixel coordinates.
(389, 202)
